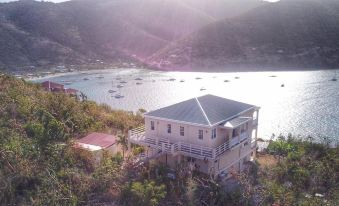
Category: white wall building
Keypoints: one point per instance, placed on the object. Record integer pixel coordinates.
(216, 134)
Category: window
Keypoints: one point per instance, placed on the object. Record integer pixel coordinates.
(169, 128)
(235, 132)
(201, 134)
(152, 125)
(182, 131)
(214, 133)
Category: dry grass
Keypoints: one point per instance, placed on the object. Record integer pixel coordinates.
(266, 160)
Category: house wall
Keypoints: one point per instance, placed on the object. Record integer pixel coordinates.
(191, 132)
(114, 149)
(233, 160)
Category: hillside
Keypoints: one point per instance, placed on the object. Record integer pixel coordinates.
(80, 31)
(40, 166)
(288, 34)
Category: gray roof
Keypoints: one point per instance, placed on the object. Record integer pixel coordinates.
(233, 123)
(206, 110)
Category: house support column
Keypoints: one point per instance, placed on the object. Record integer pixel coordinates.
(256, 136)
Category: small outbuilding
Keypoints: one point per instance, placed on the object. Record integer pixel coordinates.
(97, 143)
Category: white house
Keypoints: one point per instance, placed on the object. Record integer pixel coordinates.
(216, 134)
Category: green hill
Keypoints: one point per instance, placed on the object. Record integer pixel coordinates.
(80, 31)
(288, 34)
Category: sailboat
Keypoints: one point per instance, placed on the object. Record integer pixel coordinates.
(111, 90)
(334, 79)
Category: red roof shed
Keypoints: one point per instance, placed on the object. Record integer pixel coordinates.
(96, 141)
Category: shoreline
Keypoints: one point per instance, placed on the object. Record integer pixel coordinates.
(38, 76)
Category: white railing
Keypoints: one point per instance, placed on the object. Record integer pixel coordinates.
(221, 149)
(137, 136)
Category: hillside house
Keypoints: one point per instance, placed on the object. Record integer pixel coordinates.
(215, 134)
(56, 87)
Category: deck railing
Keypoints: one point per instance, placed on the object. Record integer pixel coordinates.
(137, 136)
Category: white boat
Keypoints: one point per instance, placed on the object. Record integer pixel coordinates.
(334, 79)
(67, 82)
(111, 91)
(118, 96)
(138, 79)
(120, 86)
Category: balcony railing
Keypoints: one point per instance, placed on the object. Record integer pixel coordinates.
(137, 136)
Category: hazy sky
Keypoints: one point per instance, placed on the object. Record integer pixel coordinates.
(56, 1)
(45, 0)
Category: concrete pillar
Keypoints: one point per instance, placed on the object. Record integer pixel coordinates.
(256, 136)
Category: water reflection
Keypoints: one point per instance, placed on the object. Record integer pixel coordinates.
(306, 104)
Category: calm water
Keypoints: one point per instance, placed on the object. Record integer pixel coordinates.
(308, 104)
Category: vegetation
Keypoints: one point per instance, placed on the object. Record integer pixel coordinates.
(40, 166)
(306, 173)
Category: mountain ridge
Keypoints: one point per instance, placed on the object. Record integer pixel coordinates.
(171, 34)
(288, 34)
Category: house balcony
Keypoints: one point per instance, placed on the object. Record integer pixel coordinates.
(137, 136)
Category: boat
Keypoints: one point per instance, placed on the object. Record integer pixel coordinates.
(197, 78)
(236, 77)
(86, 79)
(123, 82)
(171, 80)
(283, 85)
(227, 80)
(67, 82)
(118, 96)
(273, 76)
(100, 77)
(120, 86)
(202, 89)
(182, 80)
(138, 79)
(334, 79)
(111, 91)
(138, 83)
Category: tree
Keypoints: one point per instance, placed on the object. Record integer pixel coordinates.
(122, 140)
(146, 193)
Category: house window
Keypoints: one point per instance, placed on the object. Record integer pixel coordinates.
(214, 133)
(152, 125)
(169, 128)
(235, 132)
(182, 131)
(201, 134)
